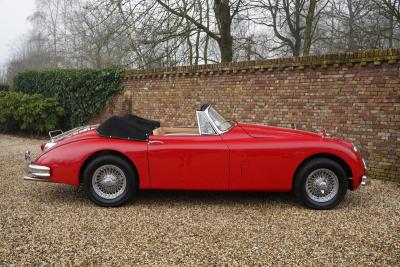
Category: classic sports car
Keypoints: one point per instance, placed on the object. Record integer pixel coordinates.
(123, 154)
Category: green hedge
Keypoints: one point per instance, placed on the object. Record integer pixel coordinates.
(4, 87)
(81, 92)
(29, 113)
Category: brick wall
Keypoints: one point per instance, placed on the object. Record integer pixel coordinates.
(356, 96)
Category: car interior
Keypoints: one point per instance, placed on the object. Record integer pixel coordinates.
(166, 131)
(176, 131)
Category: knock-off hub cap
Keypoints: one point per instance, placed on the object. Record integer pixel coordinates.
(322, 185)
(109, 181)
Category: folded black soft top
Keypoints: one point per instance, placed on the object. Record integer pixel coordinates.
(130, 127)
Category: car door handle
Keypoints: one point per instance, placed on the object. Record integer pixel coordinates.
(156, 142)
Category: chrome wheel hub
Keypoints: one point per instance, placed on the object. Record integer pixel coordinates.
(109, 181)
(322, 185)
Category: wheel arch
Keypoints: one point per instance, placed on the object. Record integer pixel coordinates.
(107, 152)
(333, 157)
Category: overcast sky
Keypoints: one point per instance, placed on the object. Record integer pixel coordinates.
(13, 24)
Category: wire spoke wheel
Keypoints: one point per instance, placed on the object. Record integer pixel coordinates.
(322, 185)
(109, 181)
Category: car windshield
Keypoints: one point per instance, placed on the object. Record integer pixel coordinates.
(222, 124)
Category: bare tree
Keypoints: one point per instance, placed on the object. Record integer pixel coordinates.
(392, 7)
(224, 12)
(159, 33)
(292, 21)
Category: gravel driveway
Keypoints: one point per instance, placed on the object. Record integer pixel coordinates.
(49, 223)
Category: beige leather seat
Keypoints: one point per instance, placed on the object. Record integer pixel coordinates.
(175, 131)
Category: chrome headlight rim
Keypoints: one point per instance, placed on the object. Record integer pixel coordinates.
(354, 148)
(365, 164)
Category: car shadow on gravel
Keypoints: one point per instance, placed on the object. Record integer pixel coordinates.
(212, 197)
(69, 195)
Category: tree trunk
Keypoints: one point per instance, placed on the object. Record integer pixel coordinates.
(98, 57)
(189, 43)
(248, 48)
(205, 53)
(197, 48)
(391, 24)
(296, 31)
(308, 29)
(223, 16)
(297, 47)
(350, 38)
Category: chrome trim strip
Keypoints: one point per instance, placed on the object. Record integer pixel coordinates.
(33, 179)
(365, 164)
(156, 142)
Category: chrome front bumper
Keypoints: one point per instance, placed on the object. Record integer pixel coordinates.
(35, 172)
(365, 181)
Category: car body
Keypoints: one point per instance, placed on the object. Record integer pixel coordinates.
(223, 155)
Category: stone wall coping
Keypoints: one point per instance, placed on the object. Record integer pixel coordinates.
(362, 58)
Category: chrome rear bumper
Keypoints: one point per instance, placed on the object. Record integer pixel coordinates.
(35, 172)
(33, 179)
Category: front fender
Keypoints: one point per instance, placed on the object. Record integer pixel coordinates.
(66, 161)
(346, 153)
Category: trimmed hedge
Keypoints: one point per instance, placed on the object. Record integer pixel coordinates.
(81, 92)
(4, 87)
(29, 113)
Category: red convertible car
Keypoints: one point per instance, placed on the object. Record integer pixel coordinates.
(115, 159)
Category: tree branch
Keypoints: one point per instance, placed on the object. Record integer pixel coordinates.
(192, 20)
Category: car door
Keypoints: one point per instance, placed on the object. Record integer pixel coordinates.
(261, 164)
(192, 162)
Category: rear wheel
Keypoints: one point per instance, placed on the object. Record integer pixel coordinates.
(109, 181)
(321, 184)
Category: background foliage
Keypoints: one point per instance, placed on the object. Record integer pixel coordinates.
(81, 92)
(4, 87)
(30, 113)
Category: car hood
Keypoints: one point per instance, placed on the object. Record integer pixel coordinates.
(262, 131)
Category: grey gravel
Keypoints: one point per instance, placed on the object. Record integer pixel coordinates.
(42, 224)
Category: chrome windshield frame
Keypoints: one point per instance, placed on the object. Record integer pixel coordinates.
(209, 120)
(214, 126)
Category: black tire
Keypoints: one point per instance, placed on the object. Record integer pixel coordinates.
(131, 181)
(300, 183)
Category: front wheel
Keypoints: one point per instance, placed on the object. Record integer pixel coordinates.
(321, 184)
(109, 181)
